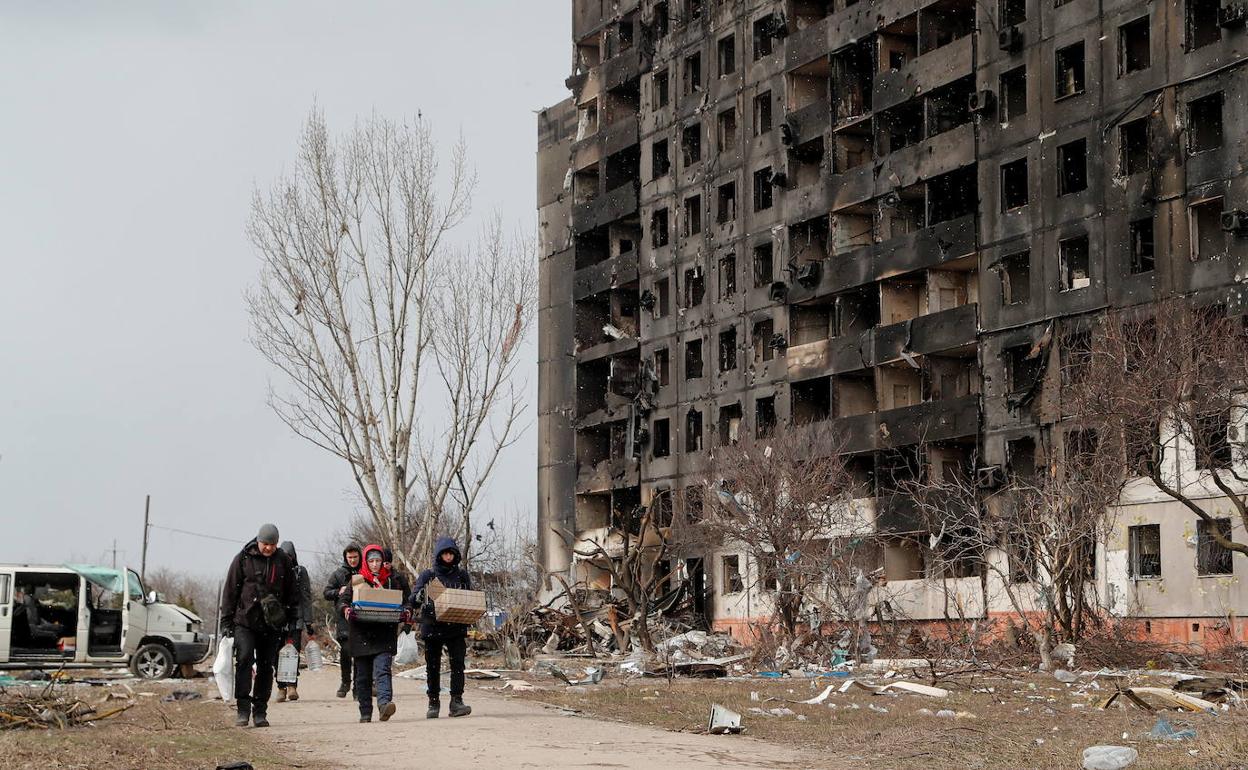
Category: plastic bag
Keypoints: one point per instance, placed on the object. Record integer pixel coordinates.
(223, 668)
(288, 665)
(409, 649)
(1109, 757)
(316, 660)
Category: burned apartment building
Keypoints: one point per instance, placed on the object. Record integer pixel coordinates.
(875, 213)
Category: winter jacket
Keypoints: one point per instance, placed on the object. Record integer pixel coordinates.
(252, 576)
(304, 585)
(340, 577)
(449, 575)
(368, 637)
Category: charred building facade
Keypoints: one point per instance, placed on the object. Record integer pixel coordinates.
(896, 215)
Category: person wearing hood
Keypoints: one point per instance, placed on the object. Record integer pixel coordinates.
(304, 586)
(340, 584)
(373, 644)
(260, 609)
(439, 635)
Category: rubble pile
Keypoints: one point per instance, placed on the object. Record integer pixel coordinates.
(45, 710)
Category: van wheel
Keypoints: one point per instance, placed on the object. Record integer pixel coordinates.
(152, 661)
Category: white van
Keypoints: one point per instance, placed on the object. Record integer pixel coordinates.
(84, 616)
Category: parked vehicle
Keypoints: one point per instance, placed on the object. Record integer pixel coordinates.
(86, 616)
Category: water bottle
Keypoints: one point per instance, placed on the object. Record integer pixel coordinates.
(288, 665)
(316, 661)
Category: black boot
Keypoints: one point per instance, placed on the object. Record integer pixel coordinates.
(260, 719)
(435, 706)
(458, 707)
(343, 689)
(243, 718)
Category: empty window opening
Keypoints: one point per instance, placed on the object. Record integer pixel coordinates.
(900, 127)
(1075, 355)
(693, 10)
(1204, 123)
(693, 431)
(1208, 239)
(1143, 258)
(695, 287)
(762, 189)
(694, 502)
(1012, 12)
(1013, 101)
(761, 339)
(762, 37)
(764, 416)
(812, 400)
(854, 78)
(693, 359)
(1143, 448)
(1072, 167)
(660, 159)
(1133, 147)
(662, 19)
(691, 144)
(762, 113)
(661, 94)
(1144, 550)
(810, 323)
(729, 424)
(663, 303)
(903, 559)
(1211, 440)
(1133, 46)
(728, 350)
(733, 582)
(727, 56)
(1212, 558)
(659, 228)
(763, 270)
(726, 207)
(951, 196)
(1015, 271)
(693, 74)
(808, 241)
(693, 216)
(1014, 184)
(851, 148)
(950, 106)
(1020, 454)
(662, 438)
(1069, 70)
(662, 367)
(1074, 261)
(727, 276)
(1024, 367)
(592, 247)
(1022, 557)
(726, 130)
(1202, 23)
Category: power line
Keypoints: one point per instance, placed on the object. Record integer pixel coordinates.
(218, 538)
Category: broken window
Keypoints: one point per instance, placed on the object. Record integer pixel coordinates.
(951, 196)
(1015, 275)
(693, 73)
(900, 127)
(662, 305)
(695, 287)
(1143, 445)
(729, 424)
(727, 56)
(903, 559)
(728, 350)
(693, 502)
(808, 241)
(1072, 167)
(762, 189)
(1144, 550)
(1212, 558)
(733, 583)
(764, 416)
(760, 337)
(1204, 123)
(1014, 184)
(1022, 557)
(1208, 239)
(1075, 356)
(727, 276)
(726, 129)
(1202, 23)
(762, 37)
(693, 215)
(660, 160)
(693, 10)
(1012, 12)
(693, 431)
(662, 19)
(1074, 261)
(1069, 70)
(693, 359)
(661, 93)
(1133, 147)
(726, 209)
(1020, 455)
(1013, 101)
(763, 272)
(1143, 258)
(1212, 443)
(1133, 46)
(662, 438)
(691, 143)
(662, 367)
(1024, 368)
(659, 232)
(812, 400)
(762, 113)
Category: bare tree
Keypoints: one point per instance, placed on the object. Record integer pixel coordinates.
(508, 568)
(399, 351)
(1172, 387)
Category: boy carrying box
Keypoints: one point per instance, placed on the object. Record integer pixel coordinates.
(446, 573)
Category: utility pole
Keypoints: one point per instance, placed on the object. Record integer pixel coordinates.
(147, 517)
(114, 553)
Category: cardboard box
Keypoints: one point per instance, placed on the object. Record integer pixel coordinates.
(367, 597)
(455, 605)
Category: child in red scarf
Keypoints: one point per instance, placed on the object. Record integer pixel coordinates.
(373, 644)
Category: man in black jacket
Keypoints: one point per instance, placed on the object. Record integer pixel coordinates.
(260, 609)
(340, 585)
(439, 635)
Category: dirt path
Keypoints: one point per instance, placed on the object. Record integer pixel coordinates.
(501, 732)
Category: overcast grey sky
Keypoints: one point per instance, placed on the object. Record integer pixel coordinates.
(131, 137)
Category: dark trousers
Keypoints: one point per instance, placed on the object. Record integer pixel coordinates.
(370, 671)
(456, 648)
(344, 662)
(258, 648)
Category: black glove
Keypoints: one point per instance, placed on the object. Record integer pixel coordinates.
(407, 628)
(227, 630)
(311, 630)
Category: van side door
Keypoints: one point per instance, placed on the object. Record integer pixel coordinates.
(6, 614)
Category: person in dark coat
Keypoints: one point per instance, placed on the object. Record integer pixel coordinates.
(304, 583)
(373, 644)
(438, 635)
(260, 609)
(340, 584)
(404, 583)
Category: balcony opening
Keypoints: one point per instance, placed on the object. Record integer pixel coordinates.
(729, 424)
(1072, 167)
(1014, 189)
(1133, 156)
(950, 106)
(898, 43)
(1143, 257)
(728, 350)
(592, 315)
(762, 189)
(660, 231)
(662, 367)
(853, 73)
(591, 386)
(1013, 97)
(1134, 52)
(807, 86)
(856, 311)
(812, 400)
(727, 56)
(662, 438)
(693, 74)
(626, 509)
(764, 416)
(726, 130)
(806, 163)
(623, 168)
(593, 447)
(693, 216)
(726, 206)
(855, 226)
(693, 431)
(952, 195)
(762, 113)
(761, 340)
(1069, 62)
(1074, 263)
(663, 303)
(660, 159)
(942, 23)
(902, 299)
(810, 323)
(808, 240)
(586, 184)
(1204, 123)
(727, 276)
(852, 148)
(593, 511)
(807, 13)
(593, 247)
(1015, 272)
(1202, 23)
(1208, 241)
(589, 53)
(948, 289)
(854, 394)
(691, 144)
(661, 94)
(1012, 12)
(695, 286)
(950, 376)
(764, 272)
(693, 359)
(899, 127)
(693, 10)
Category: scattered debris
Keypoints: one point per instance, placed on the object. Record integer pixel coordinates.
(181, 695)
(1153, 698)
(518, 685)
(815, 701)
(1064, 676)
(1164, 731)
(1109, 757)
(46, 711)
(724, 721)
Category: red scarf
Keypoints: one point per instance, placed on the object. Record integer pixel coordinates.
(378, 580)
